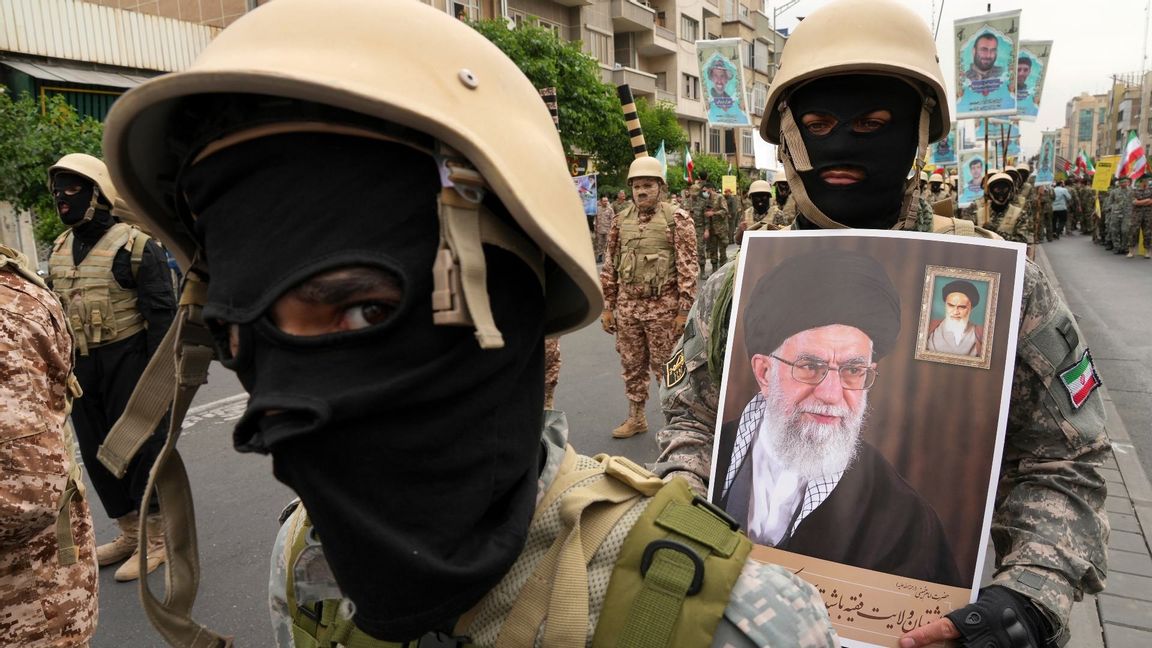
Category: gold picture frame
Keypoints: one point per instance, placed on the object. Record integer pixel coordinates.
(974, 346)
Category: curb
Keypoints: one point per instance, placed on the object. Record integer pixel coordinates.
(1088, 621)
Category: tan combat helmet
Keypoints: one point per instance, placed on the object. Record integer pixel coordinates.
(936, 177)
(855, 37)
(759, 186)
(997, 176)
(94, 169)
(646, 167)
(491, 132)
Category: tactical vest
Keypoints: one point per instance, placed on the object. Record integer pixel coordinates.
(679, 561)
(1005, 222)
(647, 256)
(99, 310)
(751, 224)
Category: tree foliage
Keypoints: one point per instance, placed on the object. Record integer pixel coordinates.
(32, 140)
(591, 121)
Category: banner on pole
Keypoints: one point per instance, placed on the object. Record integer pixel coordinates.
(1046, 164)
(943, 153)
(722, 72)
(1031, 70)
(987, 49)
(1105, 170)
(586, 187)
(972, 167)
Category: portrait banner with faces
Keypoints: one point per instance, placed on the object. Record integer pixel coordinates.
(862, 415)
(722, 75)
(1046, 162)
(972, 168)
(1031, 70)
(987, 48)
(943, 153)
(586, 188)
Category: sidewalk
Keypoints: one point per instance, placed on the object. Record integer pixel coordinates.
(1121, 615)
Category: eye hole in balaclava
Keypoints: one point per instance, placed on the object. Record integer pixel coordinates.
(761, 202)
(860, 132)
(1000, 192)
(414, 451)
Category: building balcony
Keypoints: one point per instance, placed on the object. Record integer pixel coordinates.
(629, 16)
(665, 96)
(656, 42)
(573, 3)
(642, 83)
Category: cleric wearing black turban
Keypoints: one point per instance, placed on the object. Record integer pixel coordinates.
(956, 334)
(793, 469)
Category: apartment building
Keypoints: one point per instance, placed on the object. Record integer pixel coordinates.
(1084, 119)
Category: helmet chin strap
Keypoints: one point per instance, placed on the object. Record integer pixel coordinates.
(794, 156)
(90, 213)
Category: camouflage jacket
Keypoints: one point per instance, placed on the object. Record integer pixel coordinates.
(681, 289)
(768, 606)
(1120, 202)
(1049, 525)
(47, 592)
(783, 215)
(1085, 200)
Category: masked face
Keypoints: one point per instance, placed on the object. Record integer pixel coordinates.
(1000, 192)
(782, 192)
(761, 202)
(73, 195)
(935, 185)
(646, 193)
(860, 132)
(414, 451)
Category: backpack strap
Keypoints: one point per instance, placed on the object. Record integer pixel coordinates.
(135, 244)
(675, 574)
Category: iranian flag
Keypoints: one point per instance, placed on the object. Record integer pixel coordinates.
(1081, 379)
(1134, 164)
(688, 166)
(1084, 164)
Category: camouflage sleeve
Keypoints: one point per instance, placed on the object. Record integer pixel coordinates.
(689, 396)
(687, 265)
(608, 270)
(35, 361)
(769, 606)
(1049, 525)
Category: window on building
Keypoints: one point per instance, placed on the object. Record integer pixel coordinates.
(691, 86)
(600, 47)
(746, 145)
(689, 29)
(555, 28)
(760, 60)
(625, 51)
(696, 146)
(662, 80)
(759, 97)
(714, 141)
(466, 9)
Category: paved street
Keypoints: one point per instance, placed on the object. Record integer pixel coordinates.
(238, 500)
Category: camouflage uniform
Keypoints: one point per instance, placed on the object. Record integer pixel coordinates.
(1043, 200)
(783, 215)
(551, 369)
(47, 590)
(749, 222)
(768, 606)
(1049, 525)
(644, 316)
(1119, 215)
(734, 209)
(1141, 220)
(711, 232)
(939, 195)
(1086, 210)
(604, 218)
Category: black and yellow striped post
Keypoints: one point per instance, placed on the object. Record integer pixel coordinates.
(632, 121)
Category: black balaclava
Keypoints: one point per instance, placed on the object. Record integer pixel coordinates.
(782, 193)
(761, 202)
(87, 230)
(415, 452)
(884, 155)
(1000, 193)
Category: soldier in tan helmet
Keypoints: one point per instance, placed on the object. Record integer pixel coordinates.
(394, 355)
(649, 282)
(856, 101)
(783, 206)
(116, 287)
(758, 216)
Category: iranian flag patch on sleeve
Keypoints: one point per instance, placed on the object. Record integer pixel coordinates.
(1081, 379)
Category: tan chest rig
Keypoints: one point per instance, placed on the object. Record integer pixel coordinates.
(99, 311)
(646, 256)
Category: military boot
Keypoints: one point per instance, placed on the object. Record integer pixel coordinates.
(157, 554)
(636, 423)
(124, 544)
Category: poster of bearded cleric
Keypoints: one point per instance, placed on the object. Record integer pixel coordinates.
(1031, 68)
(722, 69)
(865, 470)
(986, 51)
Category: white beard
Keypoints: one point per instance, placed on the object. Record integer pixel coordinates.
(809, 448)
(955, 329)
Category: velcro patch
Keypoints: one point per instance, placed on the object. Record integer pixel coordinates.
(1081, 379)
(675, 369)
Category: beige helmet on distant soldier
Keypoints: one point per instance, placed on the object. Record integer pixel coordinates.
(94, 169)
(289, 49)
(936, 177)
(759, 186)
(645, 167)
(879, 37)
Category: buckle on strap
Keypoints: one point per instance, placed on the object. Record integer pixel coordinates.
(631, 473)
(717, 511)
(667, 570)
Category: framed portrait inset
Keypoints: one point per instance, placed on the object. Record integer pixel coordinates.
(958, 316)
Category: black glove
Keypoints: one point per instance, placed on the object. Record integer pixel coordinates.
(1001, 618)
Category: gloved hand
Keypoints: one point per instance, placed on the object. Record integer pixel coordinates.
(608, 321)
(681, 321)
(1000, 618)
